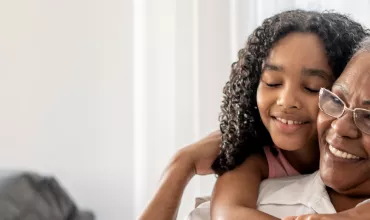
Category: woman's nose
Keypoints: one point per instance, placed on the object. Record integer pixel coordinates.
(345, 126)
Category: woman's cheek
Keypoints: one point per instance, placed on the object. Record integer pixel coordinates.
(323, 122)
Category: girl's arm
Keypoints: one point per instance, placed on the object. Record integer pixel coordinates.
(193, 159)
(166, 201)
(236, 192)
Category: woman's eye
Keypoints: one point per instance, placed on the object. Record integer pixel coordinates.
(366, 119)
(312, 90)
(336, 100)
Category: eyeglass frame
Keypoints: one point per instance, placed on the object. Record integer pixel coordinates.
(345, 109)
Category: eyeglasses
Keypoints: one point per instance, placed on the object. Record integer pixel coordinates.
(333, 106)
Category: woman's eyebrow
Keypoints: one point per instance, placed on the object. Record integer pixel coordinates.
(317, 72)
(342, 88)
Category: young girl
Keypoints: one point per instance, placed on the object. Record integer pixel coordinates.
(268, 119)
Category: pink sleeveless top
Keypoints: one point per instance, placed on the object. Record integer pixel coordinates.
(278, 165)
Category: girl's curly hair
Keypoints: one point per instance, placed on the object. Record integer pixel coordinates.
(243, 132)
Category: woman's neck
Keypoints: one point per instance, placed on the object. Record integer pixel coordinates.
(342, 202)
(305, 160)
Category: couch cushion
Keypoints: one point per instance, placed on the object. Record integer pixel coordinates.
(29, 196)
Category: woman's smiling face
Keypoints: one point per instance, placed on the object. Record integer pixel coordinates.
(344, 148)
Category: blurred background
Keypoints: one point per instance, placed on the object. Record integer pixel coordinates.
(101, 93)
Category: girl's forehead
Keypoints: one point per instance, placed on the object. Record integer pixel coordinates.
(298, 52)
(304, 47)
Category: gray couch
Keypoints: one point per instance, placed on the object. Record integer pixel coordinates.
(29, 196)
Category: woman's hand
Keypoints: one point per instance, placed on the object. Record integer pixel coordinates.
(310, 217)
(202, 153)
(320, 217)
(358, 213)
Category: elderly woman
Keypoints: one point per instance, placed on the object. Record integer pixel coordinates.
(343, 181)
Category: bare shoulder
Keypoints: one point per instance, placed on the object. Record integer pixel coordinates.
(240, 186)
(256, 163)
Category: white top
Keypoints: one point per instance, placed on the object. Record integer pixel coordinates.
(281, 197)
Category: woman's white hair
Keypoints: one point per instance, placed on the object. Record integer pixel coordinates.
(363, 46)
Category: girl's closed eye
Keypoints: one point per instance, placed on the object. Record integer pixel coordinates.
(313, 85)
(273, 84)
(312, 90)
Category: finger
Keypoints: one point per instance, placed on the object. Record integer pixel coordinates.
(314, 217)
(290, 218)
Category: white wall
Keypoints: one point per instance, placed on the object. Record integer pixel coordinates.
(66, 97)
(102, 93)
